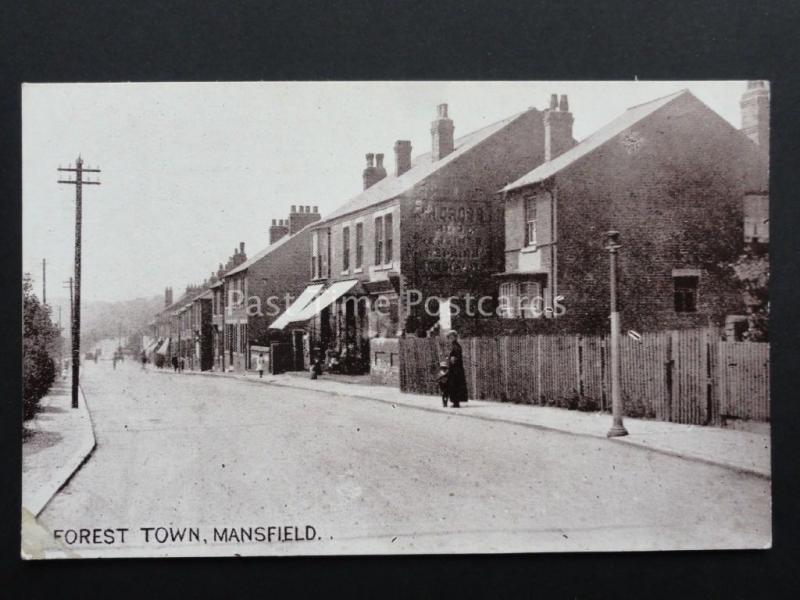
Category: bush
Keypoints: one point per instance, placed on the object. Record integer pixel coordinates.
(586, 404)
(569, 402)
(38, 337)
(634, 408)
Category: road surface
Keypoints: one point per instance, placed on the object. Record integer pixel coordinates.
(211, 455)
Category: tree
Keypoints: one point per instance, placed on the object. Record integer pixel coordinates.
(38, 338)
(752, 271)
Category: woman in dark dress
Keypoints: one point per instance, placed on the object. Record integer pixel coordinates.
(457, 379)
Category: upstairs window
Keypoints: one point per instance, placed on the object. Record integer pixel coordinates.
(387, 225)
(316, 259)
(378, 241)
(685, 294)
(530, 221)
(359, 245)
(346, 248)
(328, 253)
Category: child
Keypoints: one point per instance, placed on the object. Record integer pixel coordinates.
(260, 365)
(442, 381)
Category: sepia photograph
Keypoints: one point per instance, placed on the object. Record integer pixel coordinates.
(313, 318)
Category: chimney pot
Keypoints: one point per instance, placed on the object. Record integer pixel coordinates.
(373, 174)
(553, 101)
(241, 247)
(442, 111)
(563, 105)
(316, 209)
(294, 208)
(379, 160)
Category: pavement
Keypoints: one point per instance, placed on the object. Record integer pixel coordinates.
(56, 442)
(179, 453)
(744, 451)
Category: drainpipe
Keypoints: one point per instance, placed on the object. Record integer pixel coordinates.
(224, 326)
(553, 256)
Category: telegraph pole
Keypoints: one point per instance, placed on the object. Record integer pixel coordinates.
(44, 282)
(78, 182)
(617, 428)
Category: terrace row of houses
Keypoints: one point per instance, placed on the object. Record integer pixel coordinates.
(500, 230)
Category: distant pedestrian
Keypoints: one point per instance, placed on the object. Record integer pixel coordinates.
(175, 364)
(114, 360)
(143, 358)
(181, 364)
(260, 365)
(456, 377)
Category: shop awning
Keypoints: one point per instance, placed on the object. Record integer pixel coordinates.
(290, 314)
(332, 293)
(162, 349)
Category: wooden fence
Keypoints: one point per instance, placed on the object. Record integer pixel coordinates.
(683, 376)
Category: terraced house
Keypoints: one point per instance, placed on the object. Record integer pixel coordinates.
(677, 181)
(430, 230)
(251, 294)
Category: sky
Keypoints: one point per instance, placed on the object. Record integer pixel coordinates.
(189, 170)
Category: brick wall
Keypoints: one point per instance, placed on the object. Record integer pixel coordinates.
(283, 271)
(677, 203)
(469, 182)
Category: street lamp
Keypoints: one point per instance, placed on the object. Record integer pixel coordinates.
(617, 428)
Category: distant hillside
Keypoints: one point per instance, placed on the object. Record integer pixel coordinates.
(100, 320)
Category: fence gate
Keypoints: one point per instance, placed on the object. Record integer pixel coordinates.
(743, 380)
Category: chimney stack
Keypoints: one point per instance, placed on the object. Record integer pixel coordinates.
(373, 173)
(755, 113)
(300, 218)
(167, 297)
(557, 127)
(277, 230)
(402, 156)
(442, 134)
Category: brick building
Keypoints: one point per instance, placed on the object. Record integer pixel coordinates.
(241, 300)
(185, 326)
(434, 226)
(671, 176)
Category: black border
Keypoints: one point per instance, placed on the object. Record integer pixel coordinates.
(50, 41)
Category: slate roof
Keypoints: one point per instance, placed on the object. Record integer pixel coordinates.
(600, 137)
(421, 167)
(266, 251)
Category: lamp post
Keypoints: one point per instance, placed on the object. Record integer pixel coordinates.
(617, 428)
